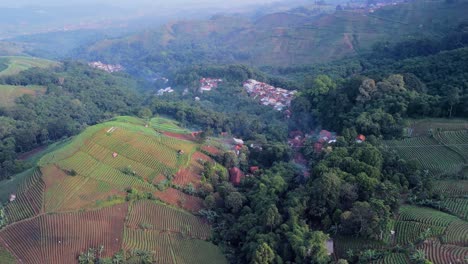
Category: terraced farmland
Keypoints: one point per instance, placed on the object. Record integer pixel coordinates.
(28, 202)
(421, 127)
(9, 93)
(457, 206)
(452, 188)
(443, 254)
(455, 140)
(19, 64)
(59, 238)
(77, 199)
(394, 258)
(408, 231)
(163, 218)
(430, 154)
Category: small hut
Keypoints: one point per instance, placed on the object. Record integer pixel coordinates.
(115, 154)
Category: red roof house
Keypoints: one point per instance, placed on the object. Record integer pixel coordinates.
(253, 169)
(361, 138)
(235, 175)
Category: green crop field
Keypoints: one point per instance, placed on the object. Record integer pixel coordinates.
(430, 154)
(6, 257)
(81, 181)
(422, 127)
(451, 188)
(169, 125)
(16, 65)
(394, 258)
(8, 93)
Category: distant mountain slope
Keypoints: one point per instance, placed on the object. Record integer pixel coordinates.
(280, 39)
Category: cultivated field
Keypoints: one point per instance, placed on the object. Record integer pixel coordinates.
(9, 93)
(76, 199)
(19, 64)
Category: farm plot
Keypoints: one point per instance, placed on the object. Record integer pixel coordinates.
(443, 254)
(150, 240)
(154, 216)
(177, 198)
(457, 233)
(59, 238)
(394, 258)
(408, 231)
(343, 244)
(430, 155)
(81, 162)
(422, 127)
(194, 251)
(451, 188)
(28, 202)
(456, 140)
(426, 216)
(6, 257)
(57, 194)
(9, 93)
(457, 206)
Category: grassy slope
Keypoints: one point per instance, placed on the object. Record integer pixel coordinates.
(88, 190)
(18, 64)
(8, 93)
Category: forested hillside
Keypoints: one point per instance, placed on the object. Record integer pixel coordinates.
(279, 39)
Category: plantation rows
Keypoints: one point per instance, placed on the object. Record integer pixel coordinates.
(6, 257)
(430, 154)
(59, 238)
(457, 206)
(80, 162)
(59, 193)
(87, 195)
(172, 248)
(104, 155)
(394, 258)
(164, 218)
(443, 254)
(456, 140)
(178, 198)
(343, 244)
(28, 202)
(426, 216)
(452, 188)
(457, 233)
(194, 251)
(150, 240)
(408, 232)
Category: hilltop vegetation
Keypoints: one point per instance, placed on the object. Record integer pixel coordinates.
(279, 39)
(111, 187)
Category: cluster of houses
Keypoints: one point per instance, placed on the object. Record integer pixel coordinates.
(161, 92)
(207, 84)
(278, 98)
(106, 67)
(368, 7)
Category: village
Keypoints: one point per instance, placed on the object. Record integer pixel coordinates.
(278, 98)
(110, 68)
(207, 84)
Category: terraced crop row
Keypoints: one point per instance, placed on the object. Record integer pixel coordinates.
(160, 217)
(456, 140)
(426, 216)
(408, 232)
(430, 154)
(150, 240)
(343, 244)
(80, 162)
(194, 251)
(59, 238)
(104, 155)
(457, 206)
(452, 188)
(457, 233)
(59, 193)
(28, 202)
(394, 258)
(443, 254)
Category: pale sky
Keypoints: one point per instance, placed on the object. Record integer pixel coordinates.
(133, 3)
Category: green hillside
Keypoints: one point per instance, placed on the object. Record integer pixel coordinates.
(8, 93)
(16, 65)
(120, 172)
(280, 39)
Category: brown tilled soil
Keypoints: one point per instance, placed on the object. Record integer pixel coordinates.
(60, 238)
